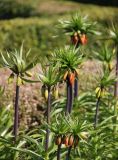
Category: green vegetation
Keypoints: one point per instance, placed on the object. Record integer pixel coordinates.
(15, 8)
(36, 33)
(39, 32)
(74, 79)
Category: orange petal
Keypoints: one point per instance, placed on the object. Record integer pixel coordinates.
(72, 78)
(83, 39)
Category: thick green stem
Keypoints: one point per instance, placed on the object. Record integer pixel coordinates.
(96, 113)
(47, 157)
(59, 152)
(16, 107)
(48, 118)
(68, 154)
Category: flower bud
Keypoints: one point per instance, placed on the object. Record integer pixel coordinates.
(56, 92)
(29, 74)
(58, 140)
(19, 81)
(11, 78)
(65, 140)
(83, 39)
(46, 94)
(72, 78)
(71, 140)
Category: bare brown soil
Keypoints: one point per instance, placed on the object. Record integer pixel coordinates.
(32, 104)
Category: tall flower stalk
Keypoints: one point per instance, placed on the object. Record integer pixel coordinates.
(60, 127)
(105, 55)
(68, 154)
(15, 131)
(77, 132)
(114, 37)
(78, 28)
(59, 152)
(76, 87)
(68, 60)
(69, 91)
(106, 80)
(116, 72)
(116, 95)
(99, 94)
(49, 77)
(58, 142)
(68, 97)
(48, 117)
(18, 62)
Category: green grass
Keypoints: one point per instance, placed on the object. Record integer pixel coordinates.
(38, 32)
(50, 11)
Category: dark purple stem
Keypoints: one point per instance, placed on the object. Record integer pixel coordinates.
(59, 152)
(68, 97)
(48, 118)
(76, 82)
(71, 98)
(116, 83)
(116, 94)
(76, 88)
(96, 113)
(16, 107)
(68, 154)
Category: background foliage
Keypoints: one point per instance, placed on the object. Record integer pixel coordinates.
(35, 23)
(38, 31)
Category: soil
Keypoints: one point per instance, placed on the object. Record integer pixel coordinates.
(32, 104)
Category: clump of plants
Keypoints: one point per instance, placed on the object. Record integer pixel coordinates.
(19, 64)
(69, 59)
(78, 28)
(64, 132)
(49, 78)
